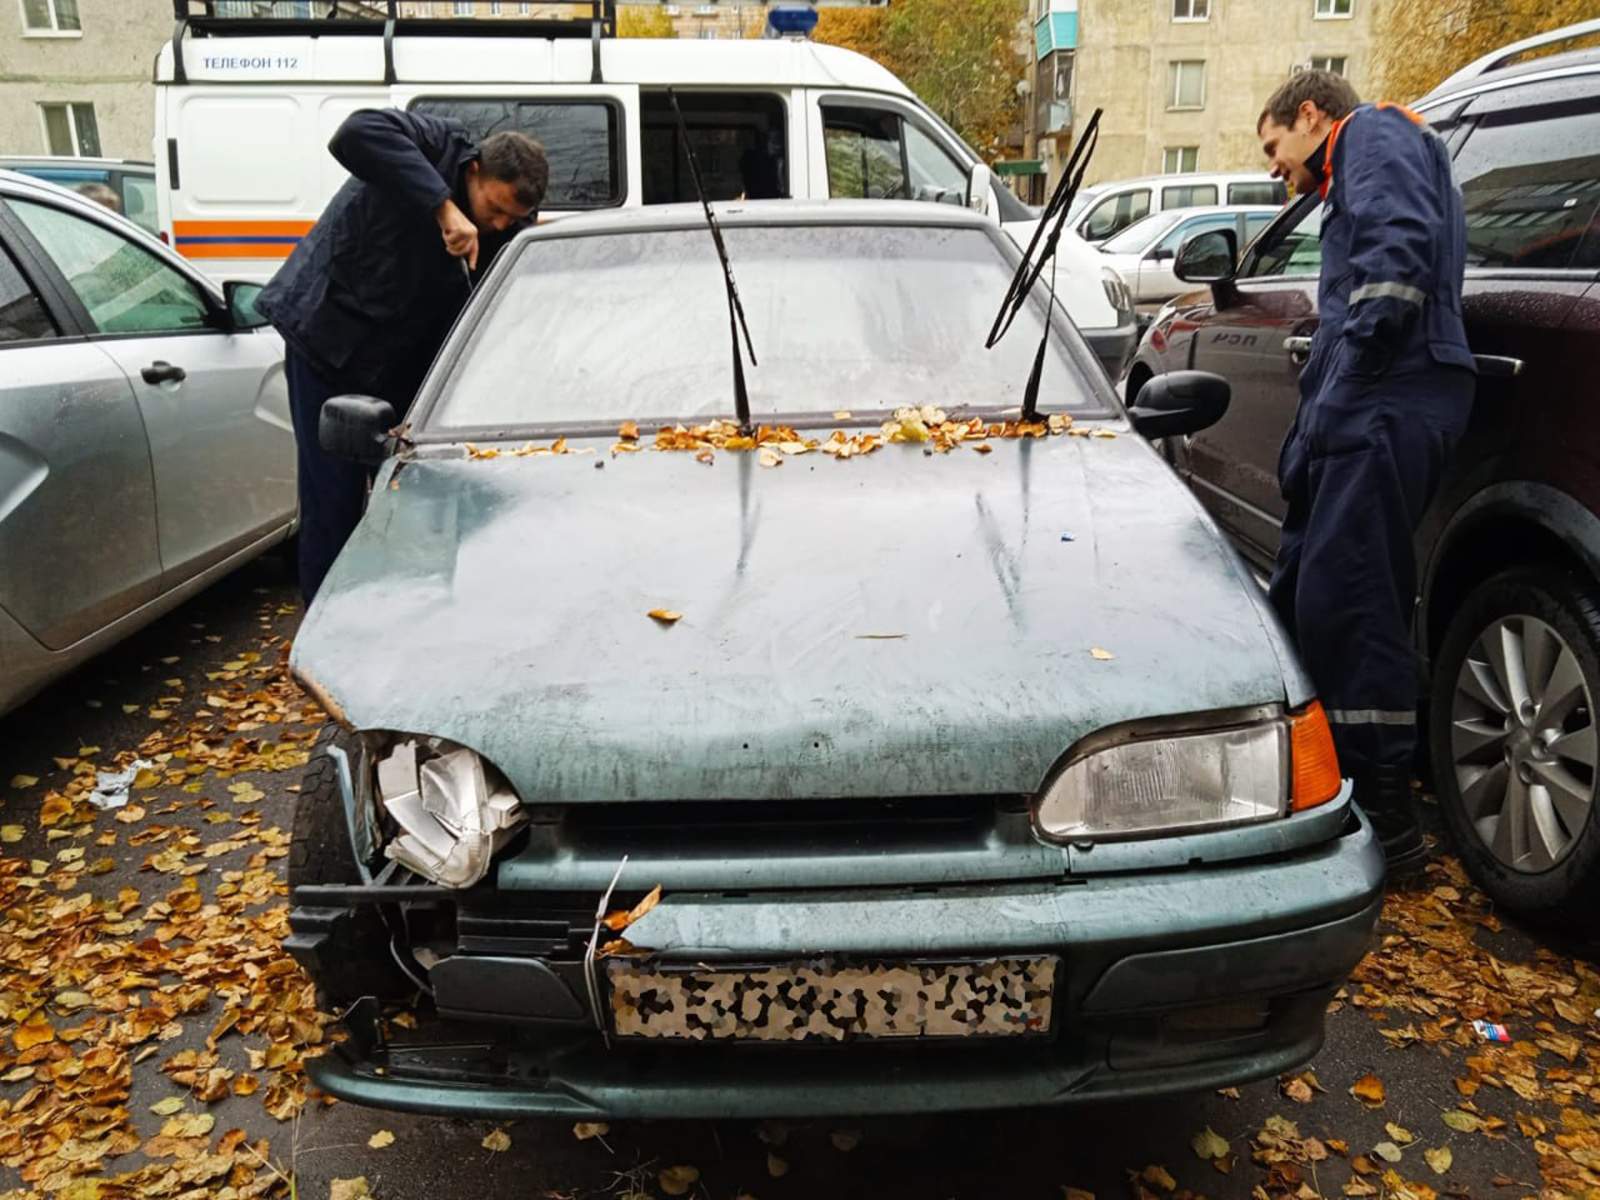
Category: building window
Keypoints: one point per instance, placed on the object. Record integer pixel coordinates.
(1191, 10)
(1334, 63)
(1177, 160)
(463, 8)
(1333, 8)
(50, 16)
(70, 129)
(1186, 85)
(494, 9)
(524, 8)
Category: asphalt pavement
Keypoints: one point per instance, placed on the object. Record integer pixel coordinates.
(204, 687)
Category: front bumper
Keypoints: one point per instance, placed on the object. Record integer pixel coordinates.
(1172, 980)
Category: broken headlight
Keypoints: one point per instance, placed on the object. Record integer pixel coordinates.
(454, 811)
(1127, 784)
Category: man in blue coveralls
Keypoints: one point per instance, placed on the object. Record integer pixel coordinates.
(1384, 397)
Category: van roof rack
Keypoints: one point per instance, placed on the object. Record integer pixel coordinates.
(1496, 59)
(594, 19)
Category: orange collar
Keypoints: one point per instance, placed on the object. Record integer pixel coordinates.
(1333, 136)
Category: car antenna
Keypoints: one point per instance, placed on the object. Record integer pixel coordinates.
(741, 397)
(1028, 271)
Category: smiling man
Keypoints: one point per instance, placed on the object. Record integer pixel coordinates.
(366, 299)
(1384, 397)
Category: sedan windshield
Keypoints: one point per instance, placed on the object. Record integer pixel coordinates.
(634, 325)
(1138, 237)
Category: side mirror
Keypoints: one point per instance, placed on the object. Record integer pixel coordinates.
(980, 189)
(1179, 403)
(1159, 254)
(356, 428)
(1209, 257)
(241, 300)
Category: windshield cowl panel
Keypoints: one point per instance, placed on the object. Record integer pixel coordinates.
(582, 333)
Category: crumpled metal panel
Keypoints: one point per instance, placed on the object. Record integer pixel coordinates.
(817, 1001)
(898, 625)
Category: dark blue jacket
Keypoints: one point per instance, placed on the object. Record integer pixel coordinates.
(1393, 257)
(370, 292)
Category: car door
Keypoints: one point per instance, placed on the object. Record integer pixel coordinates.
(1255, 339)
(214, 403)
(78, 546)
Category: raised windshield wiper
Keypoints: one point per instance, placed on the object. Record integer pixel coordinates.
(1028, 270)
(741, 398)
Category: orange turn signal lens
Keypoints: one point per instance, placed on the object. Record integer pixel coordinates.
(1313, 763)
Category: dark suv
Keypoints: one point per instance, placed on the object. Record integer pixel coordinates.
(1509, 555)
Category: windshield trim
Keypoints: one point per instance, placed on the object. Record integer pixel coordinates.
(1095, 385)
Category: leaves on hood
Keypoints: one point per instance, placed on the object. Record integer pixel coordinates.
(622, 918)
(665, 616)
(497, 1142)
(676, 1181)
(380, 1139)
(1369, 1090)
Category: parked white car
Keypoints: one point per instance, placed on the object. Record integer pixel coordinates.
(1143, 253)
(1106, 209)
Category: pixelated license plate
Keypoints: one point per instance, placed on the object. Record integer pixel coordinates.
(823, 1001)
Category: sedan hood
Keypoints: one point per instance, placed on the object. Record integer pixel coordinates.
(895, 625)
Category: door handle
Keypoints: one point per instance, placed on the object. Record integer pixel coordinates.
(1498, 367)
(1299, 348)
(163, 372)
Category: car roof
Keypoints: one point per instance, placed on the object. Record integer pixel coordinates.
(1187, 178)
(733, 214)
(1495, 70)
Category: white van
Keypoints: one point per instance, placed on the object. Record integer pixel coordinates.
(245, 108)
(1106, 209)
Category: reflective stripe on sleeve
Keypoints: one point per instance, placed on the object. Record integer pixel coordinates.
(1370, 716)
(1400, 291)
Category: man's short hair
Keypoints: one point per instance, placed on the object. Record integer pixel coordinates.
(517, 159)
(1329, 92)
(101, 194)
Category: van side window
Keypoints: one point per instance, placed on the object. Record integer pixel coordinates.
(1270, 191)
(1530, 183)
(1188, 195)
(23, 317)
(740, 143)
(1116, 213)
(580, 138)
(876, 154)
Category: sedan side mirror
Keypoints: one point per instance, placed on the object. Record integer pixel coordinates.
(1208, 257)
(1159, 254)
(241, 300)
(980, 189)
(1179, 403)
(356, 428)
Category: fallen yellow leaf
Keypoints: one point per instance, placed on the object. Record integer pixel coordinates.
(845, 1140)
(1209, 1144)
(1102, 655)
(24, 781)
(584, 1130)
(1387, 1151)
(769, 458)
(497, 1141)
(11, 834)
(1369, 1090)
(621, 919)
(1158, 1177)
(665, 615)
(776, 1167)
(349, 1189)
(167, 1107)
(676, 1181)
(35, 1031)
(380, 1139)
(1439, 1158)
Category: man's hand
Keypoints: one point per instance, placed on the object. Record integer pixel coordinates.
(460, 234)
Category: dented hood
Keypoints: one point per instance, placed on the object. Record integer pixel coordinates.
(894, 625)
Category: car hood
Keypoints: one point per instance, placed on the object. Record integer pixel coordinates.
(901, 624)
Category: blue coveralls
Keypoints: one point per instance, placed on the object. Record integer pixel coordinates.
(1384, 398)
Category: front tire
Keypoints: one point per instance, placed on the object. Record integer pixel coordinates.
(1514, 741)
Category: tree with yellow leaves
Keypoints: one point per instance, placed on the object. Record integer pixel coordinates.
(1420, 45)
(644, 21)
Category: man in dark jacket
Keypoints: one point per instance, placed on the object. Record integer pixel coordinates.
(1384, 397)
(367, 297)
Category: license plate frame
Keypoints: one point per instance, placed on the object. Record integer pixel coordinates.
(829, 1000)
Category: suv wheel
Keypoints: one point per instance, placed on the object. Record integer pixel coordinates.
(354, 959)
(1515, 741)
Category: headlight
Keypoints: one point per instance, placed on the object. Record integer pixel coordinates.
(454, 810)
(1140, 784)
(1116, 291)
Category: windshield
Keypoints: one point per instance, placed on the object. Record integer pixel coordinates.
(634, 326)
(1137, 237)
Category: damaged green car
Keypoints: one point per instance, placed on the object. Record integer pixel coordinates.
(969, 762)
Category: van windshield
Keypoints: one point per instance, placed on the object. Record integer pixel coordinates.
(634, 326)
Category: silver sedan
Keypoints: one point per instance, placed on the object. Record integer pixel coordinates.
(145, 444)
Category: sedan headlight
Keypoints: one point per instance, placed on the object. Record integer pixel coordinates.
(1137, 783)
(454, 810)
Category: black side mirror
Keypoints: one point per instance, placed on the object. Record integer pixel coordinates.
(1178, 403)
(1209, 257)
(241, 300)
(1159, 254)
(356, 428)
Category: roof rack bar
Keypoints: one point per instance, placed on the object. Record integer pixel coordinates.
(1499, 58)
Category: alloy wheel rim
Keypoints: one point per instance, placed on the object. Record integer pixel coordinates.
(1524, 743)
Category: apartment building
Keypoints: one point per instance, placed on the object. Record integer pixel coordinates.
(1182, 81)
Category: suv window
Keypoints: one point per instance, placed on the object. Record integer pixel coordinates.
(1294, 247)
(1189, 195)
(23, 317)
(1116, 213)
(579, 136)
(1530, 180)
(875, 154)
(125, 287)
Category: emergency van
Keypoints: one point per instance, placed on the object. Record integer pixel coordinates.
(245, 106)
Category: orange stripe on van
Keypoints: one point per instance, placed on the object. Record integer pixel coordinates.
(241, 228)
